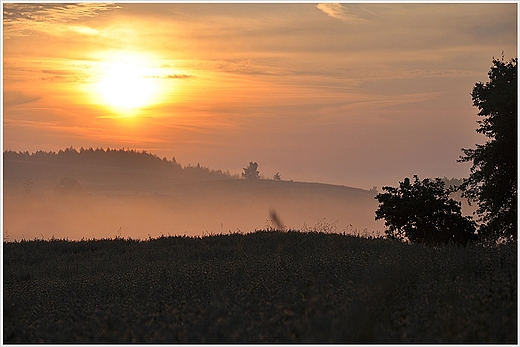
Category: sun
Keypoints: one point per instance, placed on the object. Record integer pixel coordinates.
(127, 82)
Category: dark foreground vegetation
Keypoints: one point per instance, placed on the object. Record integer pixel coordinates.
(259, 287)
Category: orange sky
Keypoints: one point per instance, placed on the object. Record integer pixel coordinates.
(355, 94)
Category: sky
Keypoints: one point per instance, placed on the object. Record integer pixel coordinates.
(356, 94)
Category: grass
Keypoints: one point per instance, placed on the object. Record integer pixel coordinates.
(264, 286)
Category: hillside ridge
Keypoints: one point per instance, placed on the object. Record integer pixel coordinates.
(122, 161)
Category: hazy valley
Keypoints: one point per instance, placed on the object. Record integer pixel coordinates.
(98, 194)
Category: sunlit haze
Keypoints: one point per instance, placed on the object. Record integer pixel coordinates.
(126, 82)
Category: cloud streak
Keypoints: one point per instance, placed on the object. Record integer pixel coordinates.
(25, 18)
(174, 76)
(352, 13)
(13, 98)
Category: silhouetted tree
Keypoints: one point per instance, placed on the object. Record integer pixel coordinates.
(277, 176)
(493, 179)
(251, 171)
(423, 212)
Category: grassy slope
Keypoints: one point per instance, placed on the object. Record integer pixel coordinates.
(263, 286)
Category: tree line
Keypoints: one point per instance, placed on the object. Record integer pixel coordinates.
(126, 158)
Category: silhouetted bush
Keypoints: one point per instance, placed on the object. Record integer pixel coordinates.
(423, 212)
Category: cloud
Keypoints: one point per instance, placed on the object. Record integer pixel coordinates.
(52, 12)
(12, 98)
(84, 30)
(333, 10)
(22, 19)
(178, 76)
(174, 76)
(346, 12)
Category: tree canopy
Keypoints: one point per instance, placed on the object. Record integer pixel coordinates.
(423, 212)
(493, 179)
(251, 171)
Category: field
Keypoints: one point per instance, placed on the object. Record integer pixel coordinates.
(265, 286)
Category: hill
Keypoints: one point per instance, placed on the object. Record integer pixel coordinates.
(136, 194)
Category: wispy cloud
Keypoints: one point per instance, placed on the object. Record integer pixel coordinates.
(84, 30)
(91, 133)
(12, 98)
(346, 12)
(22, 19)
(248, 67)
(35, 12)
(174, 76)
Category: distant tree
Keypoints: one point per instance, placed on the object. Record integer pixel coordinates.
(493, 179)
(423, 212)
(251, 171)
(277, 176)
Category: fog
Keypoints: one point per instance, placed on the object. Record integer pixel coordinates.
(76, 199)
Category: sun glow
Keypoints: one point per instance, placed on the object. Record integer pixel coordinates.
(127, 81)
